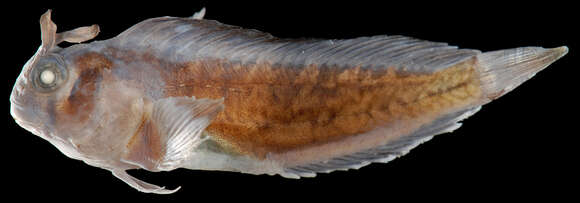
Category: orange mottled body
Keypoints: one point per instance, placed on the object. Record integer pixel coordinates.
(273, 109)
(189, 93)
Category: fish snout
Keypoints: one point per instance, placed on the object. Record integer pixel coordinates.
(22, 109)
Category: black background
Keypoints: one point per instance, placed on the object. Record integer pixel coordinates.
(521, 146)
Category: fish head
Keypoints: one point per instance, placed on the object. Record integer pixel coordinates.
(45, 83)
(38, 86)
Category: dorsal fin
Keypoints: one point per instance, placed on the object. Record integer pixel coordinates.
(199, 15)
(186, 40)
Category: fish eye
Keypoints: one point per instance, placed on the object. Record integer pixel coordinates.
(47, 77)
(48, 74)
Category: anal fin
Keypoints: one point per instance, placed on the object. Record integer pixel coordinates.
(384, 153)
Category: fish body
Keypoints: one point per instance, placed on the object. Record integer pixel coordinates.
(191, 93)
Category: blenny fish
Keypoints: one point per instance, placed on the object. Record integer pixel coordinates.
(174, 92)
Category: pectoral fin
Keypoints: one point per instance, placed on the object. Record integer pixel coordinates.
(171, 128)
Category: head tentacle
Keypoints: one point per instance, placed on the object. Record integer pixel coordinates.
(50, 39)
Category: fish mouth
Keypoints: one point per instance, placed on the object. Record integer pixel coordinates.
(29, 120)
(24, 117)
(24, 113)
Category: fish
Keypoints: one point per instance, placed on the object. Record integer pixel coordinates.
(187, 92)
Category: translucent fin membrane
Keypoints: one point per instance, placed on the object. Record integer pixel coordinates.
(501, 71)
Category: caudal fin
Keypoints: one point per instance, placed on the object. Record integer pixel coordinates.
(501, 71)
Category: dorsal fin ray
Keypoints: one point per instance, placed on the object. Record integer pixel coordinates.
(208, 39)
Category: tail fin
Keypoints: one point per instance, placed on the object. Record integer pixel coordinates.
(503, 70)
